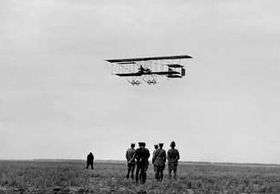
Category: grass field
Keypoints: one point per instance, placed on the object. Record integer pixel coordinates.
(108, 177)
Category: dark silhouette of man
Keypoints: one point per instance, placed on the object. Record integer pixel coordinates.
(90, 159)
(159, 159)
(156, 147)
(142, 155)
(130, 161)
(172, 157)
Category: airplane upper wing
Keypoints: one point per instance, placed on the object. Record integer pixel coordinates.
(174, 57)
(175, 65)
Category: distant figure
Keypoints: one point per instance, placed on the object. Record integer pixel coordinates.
(90, 159)
(142, 155)
(156, 147)
(130, 161)
(159, 159)
(172, 157)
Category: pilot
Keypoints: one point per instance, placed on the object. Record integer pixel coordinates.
(142, 155)
(144, 70)
(130, 161)
(159, 159)
(172, 157)
(141, 69)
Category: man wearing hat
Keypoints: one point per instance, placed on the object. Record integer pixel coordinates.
(159, 159)
(142, 155)
(173, 157)
(130, 161)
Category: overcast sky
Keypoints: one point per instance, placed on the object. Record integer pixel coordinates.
(59, 100)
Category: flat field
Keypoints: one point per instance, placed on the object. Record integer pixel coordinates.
(108, 177)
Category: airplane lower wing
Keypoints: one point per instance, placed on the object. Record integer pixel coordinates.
(128, 74)
(165, 73)
(148, 73)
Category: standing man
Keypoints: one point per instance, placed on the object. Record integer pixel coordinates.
(156, 147)
(159, 159)
(130, 161)
(173, 157)
(90, 159)
(142, 155)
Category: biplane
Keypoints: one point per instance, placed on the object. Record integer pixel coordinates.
(149, 68)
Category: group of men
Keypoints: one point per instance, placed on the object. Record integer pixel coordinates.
(140, 159)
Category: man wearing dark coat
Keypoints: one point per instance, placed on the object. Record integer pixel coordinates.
(90, 159)
(142, 155)
(173, 157)
(159, 159)
(130, 161)
(156, 148)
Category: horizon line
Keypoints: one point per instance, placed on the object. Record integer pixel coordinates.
(123, 161)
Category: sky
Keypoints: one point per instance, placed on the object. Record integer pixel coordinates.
(58, 99)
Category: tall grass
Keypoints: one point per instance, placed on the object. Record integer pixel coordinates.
(72, 177)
